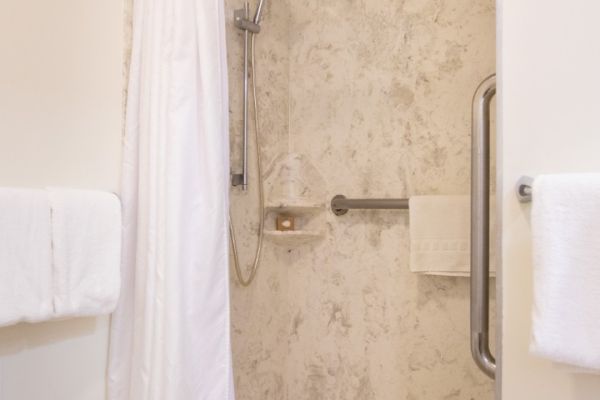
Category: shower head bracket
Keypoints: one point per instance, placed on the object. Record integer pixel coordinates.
(242, 21)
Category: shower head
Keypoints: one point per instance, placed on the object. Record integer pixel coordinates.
(259, 11)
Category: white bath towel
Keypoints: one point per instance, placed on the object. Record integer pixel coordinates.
(25, 256)
(86, 252)
(566, 256)
(440, 235)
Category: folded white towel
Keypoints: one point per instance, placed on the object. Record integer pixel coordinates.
(86, 248)
(60, 254)
(565, 225)
(440, 235)
(25, 256)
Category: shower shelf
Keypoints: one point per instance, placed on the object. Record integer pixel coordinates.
(293, 237)
(295, 208)
(296, 190)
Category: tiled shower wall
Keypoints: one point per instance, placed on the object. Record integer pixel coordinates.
(376, 93)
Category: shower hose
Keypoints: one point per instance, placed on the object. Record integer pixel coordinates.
(261, 196)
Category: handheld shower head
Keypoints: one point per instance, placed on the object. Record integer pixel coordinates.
(259, 11)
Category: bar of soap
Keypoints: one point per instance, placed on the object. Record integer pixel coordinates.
(285, 223)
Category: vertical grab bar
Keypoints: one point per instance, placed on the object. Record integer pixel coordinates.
(480, 227)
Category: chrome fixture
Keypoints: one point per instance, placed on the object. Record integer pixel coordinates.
(480, 227)
(340, 204)
(259, 10)
(241, 18)
(524, 189)
(250, 28)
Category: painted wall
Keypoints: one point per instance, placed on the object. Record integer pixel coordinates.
(377, 95)
(549, 107)
(60, 125)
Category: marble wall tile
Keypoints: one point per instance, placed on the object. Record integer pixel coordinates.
(260, 316)
(380, 95)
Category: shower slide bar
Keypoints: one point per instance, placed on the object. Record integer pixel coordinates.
(340, 204)
(250, 26)
(242, 21)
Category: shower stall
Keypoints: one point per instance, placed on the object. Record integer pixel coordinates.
(375, 98)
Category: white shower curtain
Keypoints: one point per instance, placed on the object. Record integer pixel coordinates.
(170, 334)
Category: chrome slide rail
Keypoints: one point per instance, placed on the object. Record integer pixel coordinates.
(250, 27)
(480, 227)
(242, 21)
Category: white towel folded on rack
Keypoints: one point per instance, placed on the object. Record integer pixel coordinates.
(440, 235)
(565, 224)
(25, 256)
(60, 253)
(86, 248)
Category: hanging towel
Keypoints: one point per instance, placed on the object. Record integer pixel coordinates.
(86, 252)
(440, 235)
(565, 224)
(25, 256)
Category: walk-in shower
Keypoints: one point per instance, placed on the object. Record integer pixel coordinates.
(251, 27)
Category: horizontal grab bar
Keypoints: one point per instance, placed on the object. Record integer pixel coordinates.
(340, 204)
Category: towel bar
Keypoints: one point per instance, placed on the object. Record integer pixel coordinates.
(340, 204)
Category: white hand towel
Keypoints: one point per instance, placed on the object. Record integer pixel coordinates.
(440, 235)
(86, 248)
(25, 256)
(565, 225)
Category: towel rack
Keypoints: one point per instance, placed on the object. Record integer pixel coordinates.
(340, 204)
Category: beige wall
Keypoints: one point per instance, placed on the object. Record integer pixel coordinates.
(549, 104)
(60, 125)
(377, 94)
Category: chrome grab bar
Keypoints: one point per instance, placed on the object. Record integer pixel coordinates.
(340, 204)
(480, 227)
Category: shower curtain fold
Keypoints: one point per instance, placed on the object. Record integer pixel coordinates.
(170, 334)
